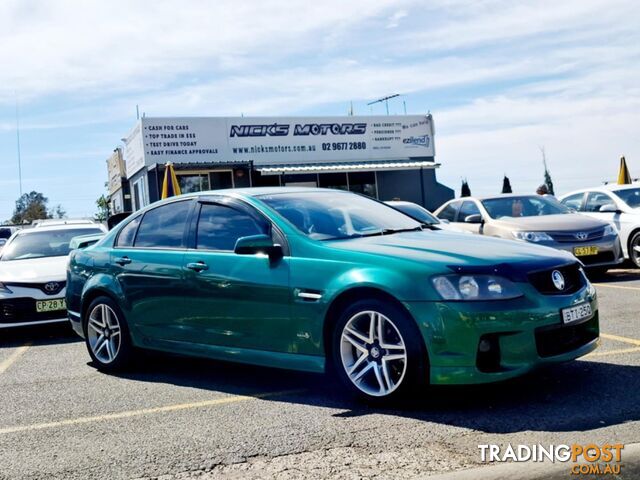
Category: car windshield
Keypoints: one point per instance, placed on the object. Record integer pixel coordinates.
(524, 206)
(336, 215)
(416, 212)
(51, 243)
(630, 196)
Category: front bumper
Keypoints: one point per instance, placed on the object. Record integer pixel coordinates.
(609, 251)
(18, 308)
(523, 334)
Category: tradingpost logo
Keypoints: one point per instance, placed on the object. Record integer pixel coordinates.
(589, 459)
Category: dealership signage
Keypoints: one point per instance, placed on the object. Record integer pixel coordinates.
(277, 140)
(116, 170)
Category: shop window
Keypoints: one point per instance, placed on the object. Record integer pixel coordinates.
(301, 180)
(260, 180)
(334, 180)
(220, 180)
(363, 182)
(193, 182)
(139, 197)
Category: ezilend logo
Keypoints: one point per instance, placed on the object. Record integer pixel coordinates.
(273, 130)
(421, 141)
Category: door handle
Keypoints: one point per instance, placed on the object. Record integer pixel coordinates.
(197, 266)
(122, 261)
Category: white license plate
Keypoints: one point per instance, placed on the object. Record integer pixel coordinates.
(51, 305)
(577, 313)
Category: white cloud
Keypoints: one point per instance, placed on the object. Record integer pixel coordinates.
(500, 77)
(394, 20)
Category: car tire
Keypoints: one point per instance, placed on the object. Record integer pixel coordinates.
(107, 335)
(634, 242)
(373, 369)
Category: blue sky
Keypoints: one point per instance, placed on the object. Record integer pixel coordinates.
(501, 78)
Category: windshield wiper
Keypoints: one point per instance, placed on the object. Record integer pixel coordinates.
(391, 231)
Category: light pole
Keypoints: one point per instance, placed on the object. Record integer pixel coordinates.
(18, 145)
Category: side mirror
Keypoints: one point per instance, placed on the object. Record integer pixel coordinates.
(256, 244)
(609, 208)
(475, 218)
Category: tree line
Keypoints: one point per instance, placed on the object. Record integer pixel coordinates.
(465, 190)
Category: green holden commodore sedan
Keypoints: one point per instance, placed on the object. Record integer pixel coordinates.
(313, 279)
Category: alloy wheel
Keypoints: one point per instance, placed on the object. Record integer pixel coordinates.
(104, 333)
(373, 353)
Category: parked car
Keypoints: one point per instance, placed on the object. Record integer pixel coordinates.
(54, 222)
(278, 277)
(618, 204)
(541, 220)
(33, 274)
(5, 234)
(422, 215)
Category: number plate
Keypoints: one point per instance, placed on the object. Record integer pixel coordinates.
(585, 251)
(577, 313)
(51, 305)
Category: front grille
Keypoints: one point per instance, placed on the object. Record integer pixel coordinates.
(559, 339)
(573, 237)
(48, 288)
(573, 279)
(23, 310)
(602, 257)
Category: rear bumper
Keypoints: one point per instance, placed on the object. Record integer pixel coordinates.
(76, 322)
(491, 341)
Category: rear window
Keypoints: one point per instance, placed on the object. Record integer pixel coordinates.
(164, 226)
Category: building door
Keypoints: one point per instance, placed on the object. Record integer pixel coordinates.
(221, 179)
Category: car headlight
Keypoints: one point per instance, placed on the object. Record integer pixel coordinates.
(534, 237)
(475, 287)
(4, 289)
(610, 230)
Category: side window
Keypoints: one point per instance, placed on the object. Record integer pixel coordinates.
(220, 226)
(595, 200)
(574, 201)
(163, 227)
(449, 212)
(468, 208)
(128, 233)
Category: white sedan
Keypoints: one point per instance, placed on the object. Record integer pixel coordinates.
(33, 274)
(617, 204)
(423, 215)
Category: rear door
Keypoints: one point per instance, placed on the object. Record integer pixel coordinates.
(148, 259)
(235, 300)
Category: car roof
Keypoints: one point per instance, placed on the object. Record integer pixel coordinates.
(55, 228)
(610, 187)
(401, 202)
(257, 191)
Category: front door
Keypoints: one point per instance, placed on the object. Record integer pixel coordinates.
(467, 209)
(236, 300)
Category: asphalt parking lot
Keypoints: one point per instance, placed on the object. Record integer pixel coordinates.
(175, 417)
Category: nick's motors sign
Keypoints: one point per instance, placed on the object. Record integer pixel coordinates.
(281, 140)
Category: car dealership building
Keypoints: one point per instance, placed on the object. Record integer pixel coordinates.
(386, 157)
